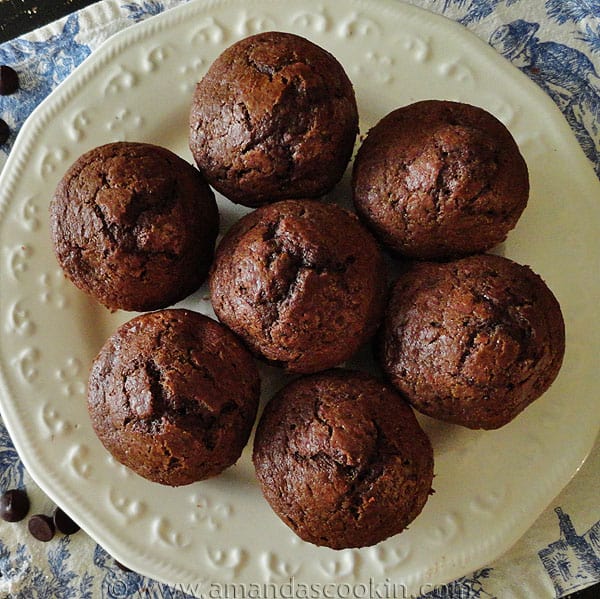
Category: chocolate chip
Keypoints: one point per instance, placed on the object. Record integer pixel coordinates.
(64, 523)
(14, 505)
(9, 81)
(4, 132)
(41, 527)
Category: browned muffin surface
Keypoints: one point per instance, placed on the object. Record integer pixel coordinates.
(301, 282)
(342, 460)
(173, 395)
(274, 117)
(473, 341)
(438, 179)
(134, 226)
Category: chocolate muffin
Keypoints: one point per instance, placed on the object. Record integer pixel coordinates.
(134, 226)
(173, 395)
(274, 118)
(473, 341)
(438, 180)
(342, 460)
(301, 282)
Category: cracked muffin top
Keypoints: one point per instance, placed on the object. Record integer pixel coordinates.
(342, 460)
(275, 117)
(134, 226)
(438, 180)
(474, 341)
(301, 282)
(173, 395)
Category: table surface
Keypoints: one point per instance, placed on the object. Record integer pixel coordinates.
(21, 16)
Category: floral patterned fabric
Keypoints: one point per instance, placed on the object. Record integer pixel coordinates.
(557, 44)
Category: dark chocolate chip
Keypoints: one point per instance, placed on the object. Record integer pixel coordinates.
(14, 505)
(64, 523)
(41, 527)
(9, 80)
(4, 132)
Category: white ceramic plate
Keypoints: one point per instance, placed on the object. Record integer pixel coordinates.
(490, 486)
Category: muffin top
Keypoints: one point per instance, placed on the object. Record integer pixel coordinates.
(173, 396)
(438, 179)
(274, 118)
(342, 459)
(473, 341)
(301, 282)
(134, 226)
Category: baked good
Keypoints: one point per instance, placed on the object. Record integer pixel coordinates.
(438, 180)
(342, 460)
(473, 341)
(274, 118)
(301, 282)
(173, 395)
(134, 226)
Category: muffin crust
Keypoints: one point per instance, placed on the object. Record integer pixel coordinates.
(134, 226)
(473, 341)
(301, 282)
(274, 118)
(342, 459)
(438, 180)
(173, 396)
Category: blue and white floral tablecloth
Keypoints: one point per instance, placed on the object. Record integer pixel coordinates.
(557, 44)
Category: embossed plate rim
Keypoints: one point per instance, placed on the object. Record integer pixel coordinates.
(145, 558)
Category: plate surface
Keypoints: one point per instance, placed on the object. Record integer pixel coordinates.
(490, 486)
